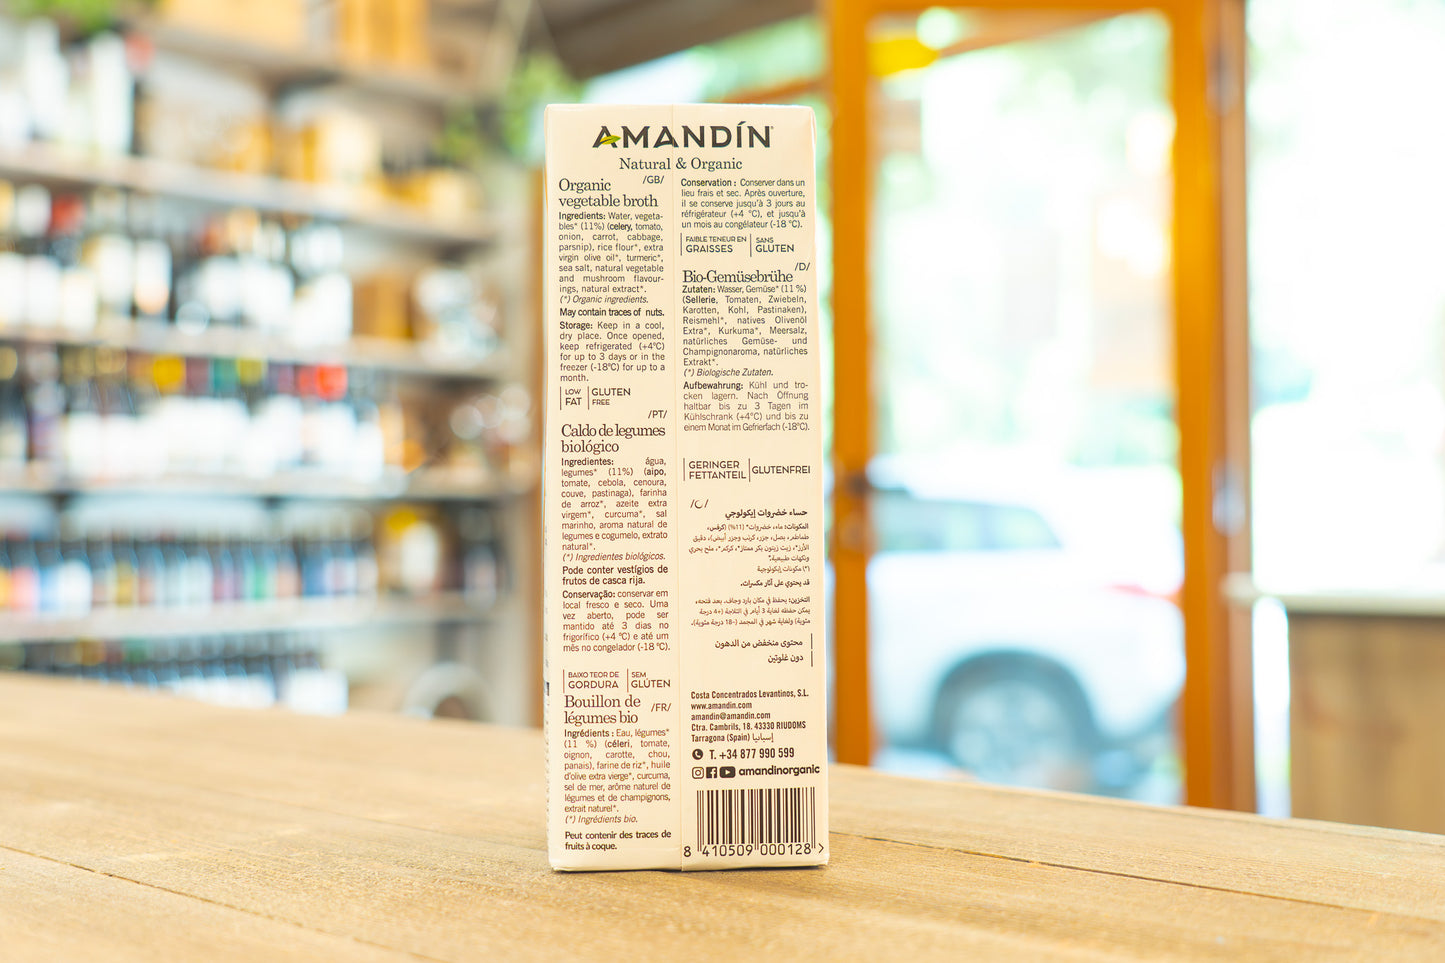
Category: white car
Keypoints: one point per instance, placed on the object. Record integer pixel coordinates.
(1018, 654)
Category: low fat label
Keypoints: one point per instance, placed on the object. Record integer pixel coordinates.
(683, 507)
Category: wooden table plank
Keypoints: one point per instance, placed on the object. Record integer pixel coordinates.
(438, 774)
(402, 837)
(1328, 863)
(51, 911)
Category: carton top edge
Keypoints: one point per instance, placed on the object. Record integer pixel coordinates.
(690, 105)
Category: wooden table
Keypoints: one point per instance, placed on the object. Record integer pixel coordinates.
(137, 826)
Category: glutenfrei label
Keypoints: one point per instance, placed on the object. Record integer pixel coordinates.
(683, 506)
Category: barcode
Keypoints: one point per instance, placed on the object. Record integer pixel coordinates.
(762, 816)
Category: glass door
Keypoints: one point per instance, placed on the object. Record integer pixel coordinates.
(1025, 500)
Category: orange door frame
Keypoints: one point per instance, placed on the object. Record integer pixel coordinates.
(1216, 720)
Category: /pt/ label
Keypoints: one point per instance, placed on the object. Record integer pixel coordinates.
(683, 500)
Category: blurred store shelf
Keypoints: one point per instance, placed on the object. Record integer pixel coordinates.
(379, 354)
(285, 67)
(43, 164)
(244, 618)
(434, 484)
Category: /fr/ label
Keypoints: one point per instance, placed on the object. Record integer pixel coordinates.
(683, 500)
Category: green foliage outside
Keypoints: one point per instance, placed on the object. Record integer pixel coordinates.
(88, 16)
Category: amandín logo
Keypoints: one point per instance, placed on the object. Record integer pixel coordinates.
(703, 135)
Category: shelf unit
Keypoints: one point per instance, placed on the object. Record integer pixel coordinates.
(44, 164)
(245, 618)
(451, 619)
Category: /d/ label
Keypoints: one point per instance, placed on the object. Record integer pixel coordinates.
(683, 491)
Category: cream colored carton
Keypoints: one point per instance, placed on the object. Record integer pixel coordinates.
(683, 506)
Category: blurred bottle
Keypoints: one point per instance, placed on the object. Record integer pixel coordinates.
(309, 686)
(14, 111)
(168, 418)
(190, 680)
(119, 432)
(81, 425)
(278, 425)
(368, 573)
(256, 453)
(321, 312)
(73, 589)
(140, 669)
(139, 55)
(189, 308)
(150, 569)
(211, 654)
(24, 576)
(411, 550)
(240, 688)
(75, 122)
(203, 418)
(110, 253)
(47, 568)
(199, 580)
(315, 558)
(151, 268)
(102, 571)
(44, 404)
(78, 300)
(259, 570)
(333, 432)
(42, 270)
(176, 567)
(127, 569)
(89, 656)
(312, 421)
(14, 415)
(220, 270)
(225, 574)
(165, 664)
(267, 282)
(148, 458)
(343, 580)
(288, 567)
(453, 312)
(229, 419)
(368, 445)
(45, 78)
(12, 261)
(64, 659)
(392, 419)
(481, 569)
(110, 95)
